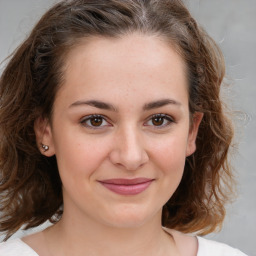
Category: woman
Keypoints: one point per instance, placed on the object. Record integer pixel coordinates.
(113, 129)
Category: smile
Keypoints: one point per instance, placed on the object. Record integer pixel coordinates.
(127, 186)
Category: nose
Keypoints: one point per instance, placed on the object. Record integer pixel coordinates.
(128, 150)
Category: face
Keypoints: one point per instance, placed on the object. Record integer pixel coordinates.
(120, 129)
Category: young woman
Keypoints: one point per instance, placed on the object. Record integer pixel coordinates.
(113, 129)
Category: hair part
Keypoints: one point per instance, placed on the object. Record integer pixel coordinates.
(30, 186)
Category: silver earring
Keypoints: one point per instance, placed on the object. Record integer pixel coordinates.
(45, 147)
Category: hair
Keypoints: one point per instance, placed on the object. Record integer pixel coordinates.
(30, 186)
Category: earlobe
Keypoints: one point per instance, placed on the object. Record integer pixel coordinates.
(191, 145)
(43, 132)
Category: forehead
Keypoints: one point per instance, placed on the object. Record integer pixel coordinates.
(135, 48)
(131, 62)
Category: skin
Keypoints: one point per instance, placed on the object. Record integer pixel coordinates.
(130, 73)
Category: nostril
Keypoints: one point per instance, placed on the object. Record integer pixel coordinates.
(129, 160)
(128, 148)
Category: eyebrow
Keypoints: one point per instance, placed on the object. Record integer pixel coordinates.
(107, 106)
(96, 104)
(160, 103)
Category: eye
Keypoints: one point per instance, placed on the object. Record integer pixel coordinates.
(94, 121)
(159, 120)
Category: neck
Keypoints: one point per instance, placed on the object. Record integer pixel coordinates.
(83, 236)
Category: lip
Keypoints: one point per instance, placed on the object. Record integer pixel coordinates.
(127, 186)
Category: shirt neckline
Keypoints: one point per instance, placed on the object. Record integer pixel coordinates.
(27, 246)
(35, 253)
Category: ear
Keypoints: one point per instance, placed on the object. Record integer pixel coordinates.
(191, 144)
(43, 132)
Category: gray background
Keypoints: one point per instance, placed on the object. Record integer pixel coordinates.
(232, 23)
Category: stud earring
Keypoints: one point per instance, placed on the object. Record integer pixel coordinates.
(45, 147)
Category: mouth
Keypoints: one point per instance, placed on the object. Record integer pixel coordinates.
(127, 186)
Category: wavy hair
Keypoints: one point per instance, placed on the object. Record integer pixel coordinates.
(30, 186)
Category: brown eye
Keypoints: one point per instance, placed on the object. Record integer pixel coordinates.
(158, 120)
(96, 121)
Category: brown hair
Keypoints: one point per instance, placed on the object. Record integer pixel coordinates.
(30, 186)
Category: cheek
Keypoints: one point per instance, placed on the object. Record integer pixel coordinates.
(170, 151)
(169, 158)
(79, 155)
(170, 161)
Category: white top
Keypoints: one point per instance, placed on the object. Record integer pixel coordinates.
(205, 248)
(212, 248)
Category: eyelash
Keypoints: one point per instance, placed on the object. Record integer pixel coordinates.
(90, 118)
(166, 118)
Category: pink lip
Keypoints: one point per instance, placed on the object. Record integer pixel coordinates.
(127, 186)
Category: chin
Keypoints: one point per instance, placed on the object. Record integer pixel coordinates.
(130, 217)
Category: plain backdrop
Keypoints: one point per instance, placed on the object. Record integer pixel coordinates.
(232, 23)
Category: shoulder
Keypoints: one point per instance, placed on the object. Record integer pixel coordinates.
(181, 239)
(213, 248)
(16, 247)
(195, 245)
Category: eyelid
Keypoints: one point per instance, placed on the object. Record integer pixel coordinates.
(86, 118)
(167, 117)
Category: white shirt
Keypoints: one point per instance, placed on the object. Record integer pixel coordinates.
(205, 248)
(212, 248)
